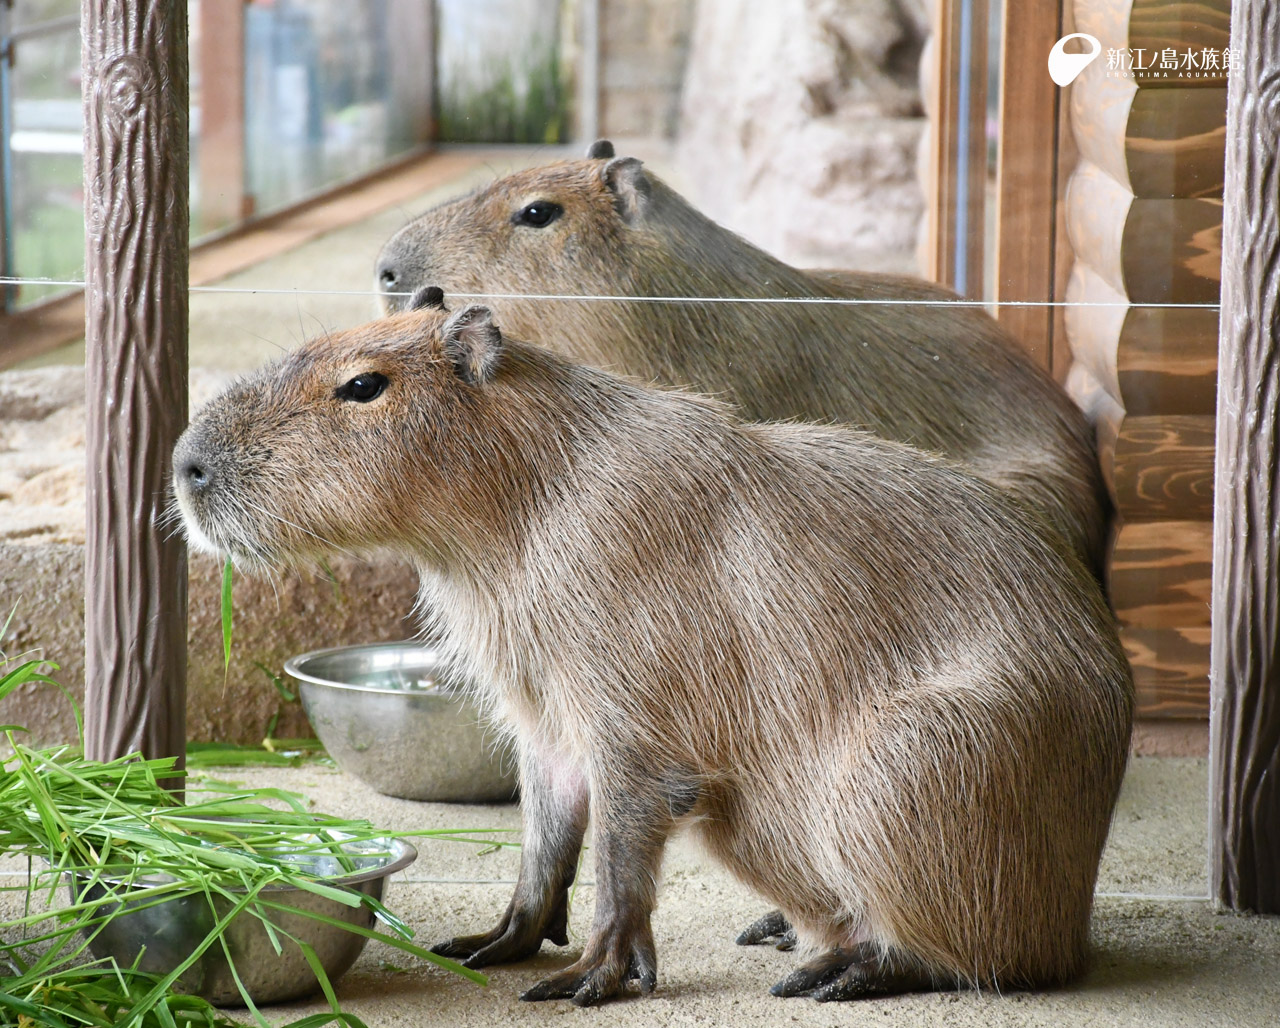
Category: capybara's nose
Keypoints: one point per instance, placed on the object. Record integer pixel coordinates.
(192, 470)
(195, 476)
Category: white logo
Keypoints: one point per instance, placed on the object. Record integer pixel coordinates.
(1064, 67)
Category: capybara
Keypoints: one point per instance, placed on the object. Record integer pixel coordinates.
(880, 695)
(941, 377)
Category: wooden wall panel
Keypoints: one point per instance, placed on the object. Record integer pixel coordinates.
(1171, 251)
(1160, 574)
(1174, 142)
(1170, 670)
(1164, 468)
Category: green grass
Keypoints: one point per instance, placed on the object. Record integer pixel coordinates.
(499, 113)
(72, 818)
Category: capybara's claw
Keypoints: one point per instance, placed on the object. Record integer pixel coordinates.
(771, 926)
(501, 946)
(461, 946)
(816, 973)
(594, 979)
(853, 973)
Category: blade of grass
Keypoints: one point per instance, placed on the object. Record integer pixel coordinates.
(369, 933)
(228, 570)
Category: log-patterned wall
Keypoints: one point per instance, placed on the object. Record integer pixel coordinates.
(1144, 221)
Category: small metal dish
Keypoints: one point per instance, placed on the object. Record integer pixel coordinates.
(388, 714)
(162, 935)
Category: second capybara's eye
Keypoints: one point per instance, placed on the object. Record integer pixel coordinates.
(362, 388)
(538, 214)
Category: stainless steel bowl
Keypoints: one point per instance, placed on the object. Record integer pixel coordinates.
(161, 936)
(389, 715)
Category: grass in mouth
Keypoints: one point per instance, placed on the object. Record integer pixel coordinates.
(110, 823)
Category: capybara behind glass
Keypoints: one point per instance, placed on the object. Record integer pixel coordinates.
(934, 374)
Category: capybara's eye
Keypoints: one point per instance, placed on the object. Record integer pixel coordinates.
(538, 213)
(363, 388)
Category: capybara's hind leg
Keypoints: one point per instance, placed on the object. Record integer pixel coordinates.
(854, 972)
(773, 925)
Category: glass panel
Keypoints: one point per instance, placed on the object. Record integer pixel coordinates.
(319, 100)
(44, 233)
(502, 78)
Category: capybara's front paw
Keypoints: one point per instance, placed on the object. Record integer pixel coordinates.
(772, 927)
(603, 972)
(517, 936)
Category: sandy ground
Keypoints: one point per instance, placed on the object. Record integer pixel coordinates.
(1162, 957)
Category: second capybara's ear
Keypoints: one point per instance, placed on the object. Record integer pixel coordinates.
(473, 343)
(600, 150)
(426, 297)
(625, 178)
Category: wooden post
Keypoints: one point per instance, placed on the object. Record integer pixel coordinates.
(223, 200)
(958, 156)
(1026, 175)
(412, 60)
(1244, 739)
(134, 64)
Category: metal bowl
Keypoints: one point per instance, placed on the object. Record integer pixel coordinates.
(388, 714)
(161, 936)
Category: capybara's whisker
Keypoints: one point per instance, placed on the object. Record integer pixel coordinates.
(293, 524)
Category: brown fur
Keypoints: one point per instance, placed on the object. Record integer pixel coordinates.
(942, 378)
(877, 695)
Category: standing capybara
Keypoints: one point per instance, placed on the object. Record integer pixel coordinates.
(880, 696)
(943, 378)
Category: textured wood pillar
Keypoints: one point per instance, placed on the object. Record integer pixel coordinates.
(1245, 657)
(134, 62)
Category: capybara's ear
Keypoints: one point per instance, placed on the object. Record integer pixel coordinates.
(599, 150)
(626, 180)
(473, 343)
(427, 296)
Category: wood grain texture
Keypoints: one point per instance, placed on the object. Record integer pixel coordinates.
(1170, 668)
(1157, 143)
(1026, 182)
(134, 64)
(1244, 743)
(1164, 468)
(1152, 360)
(1174, 142)
(1100, 106)
(1152, 251)
(1155, 25)
(1171, 251)
(1160, 575)
(1167, 361)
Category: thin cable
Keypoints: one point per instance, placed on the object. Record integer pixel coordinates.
(838, 301)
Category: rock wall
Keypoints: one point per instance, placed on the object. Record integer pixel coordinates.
(800, 122)
(42, 582)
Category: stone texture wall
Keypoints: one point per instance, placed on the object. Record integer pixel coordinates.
(42, 582)
(800, 122)
(643, 47)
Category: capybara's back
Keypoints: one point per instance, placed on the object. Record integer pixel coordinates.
(889, 354)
